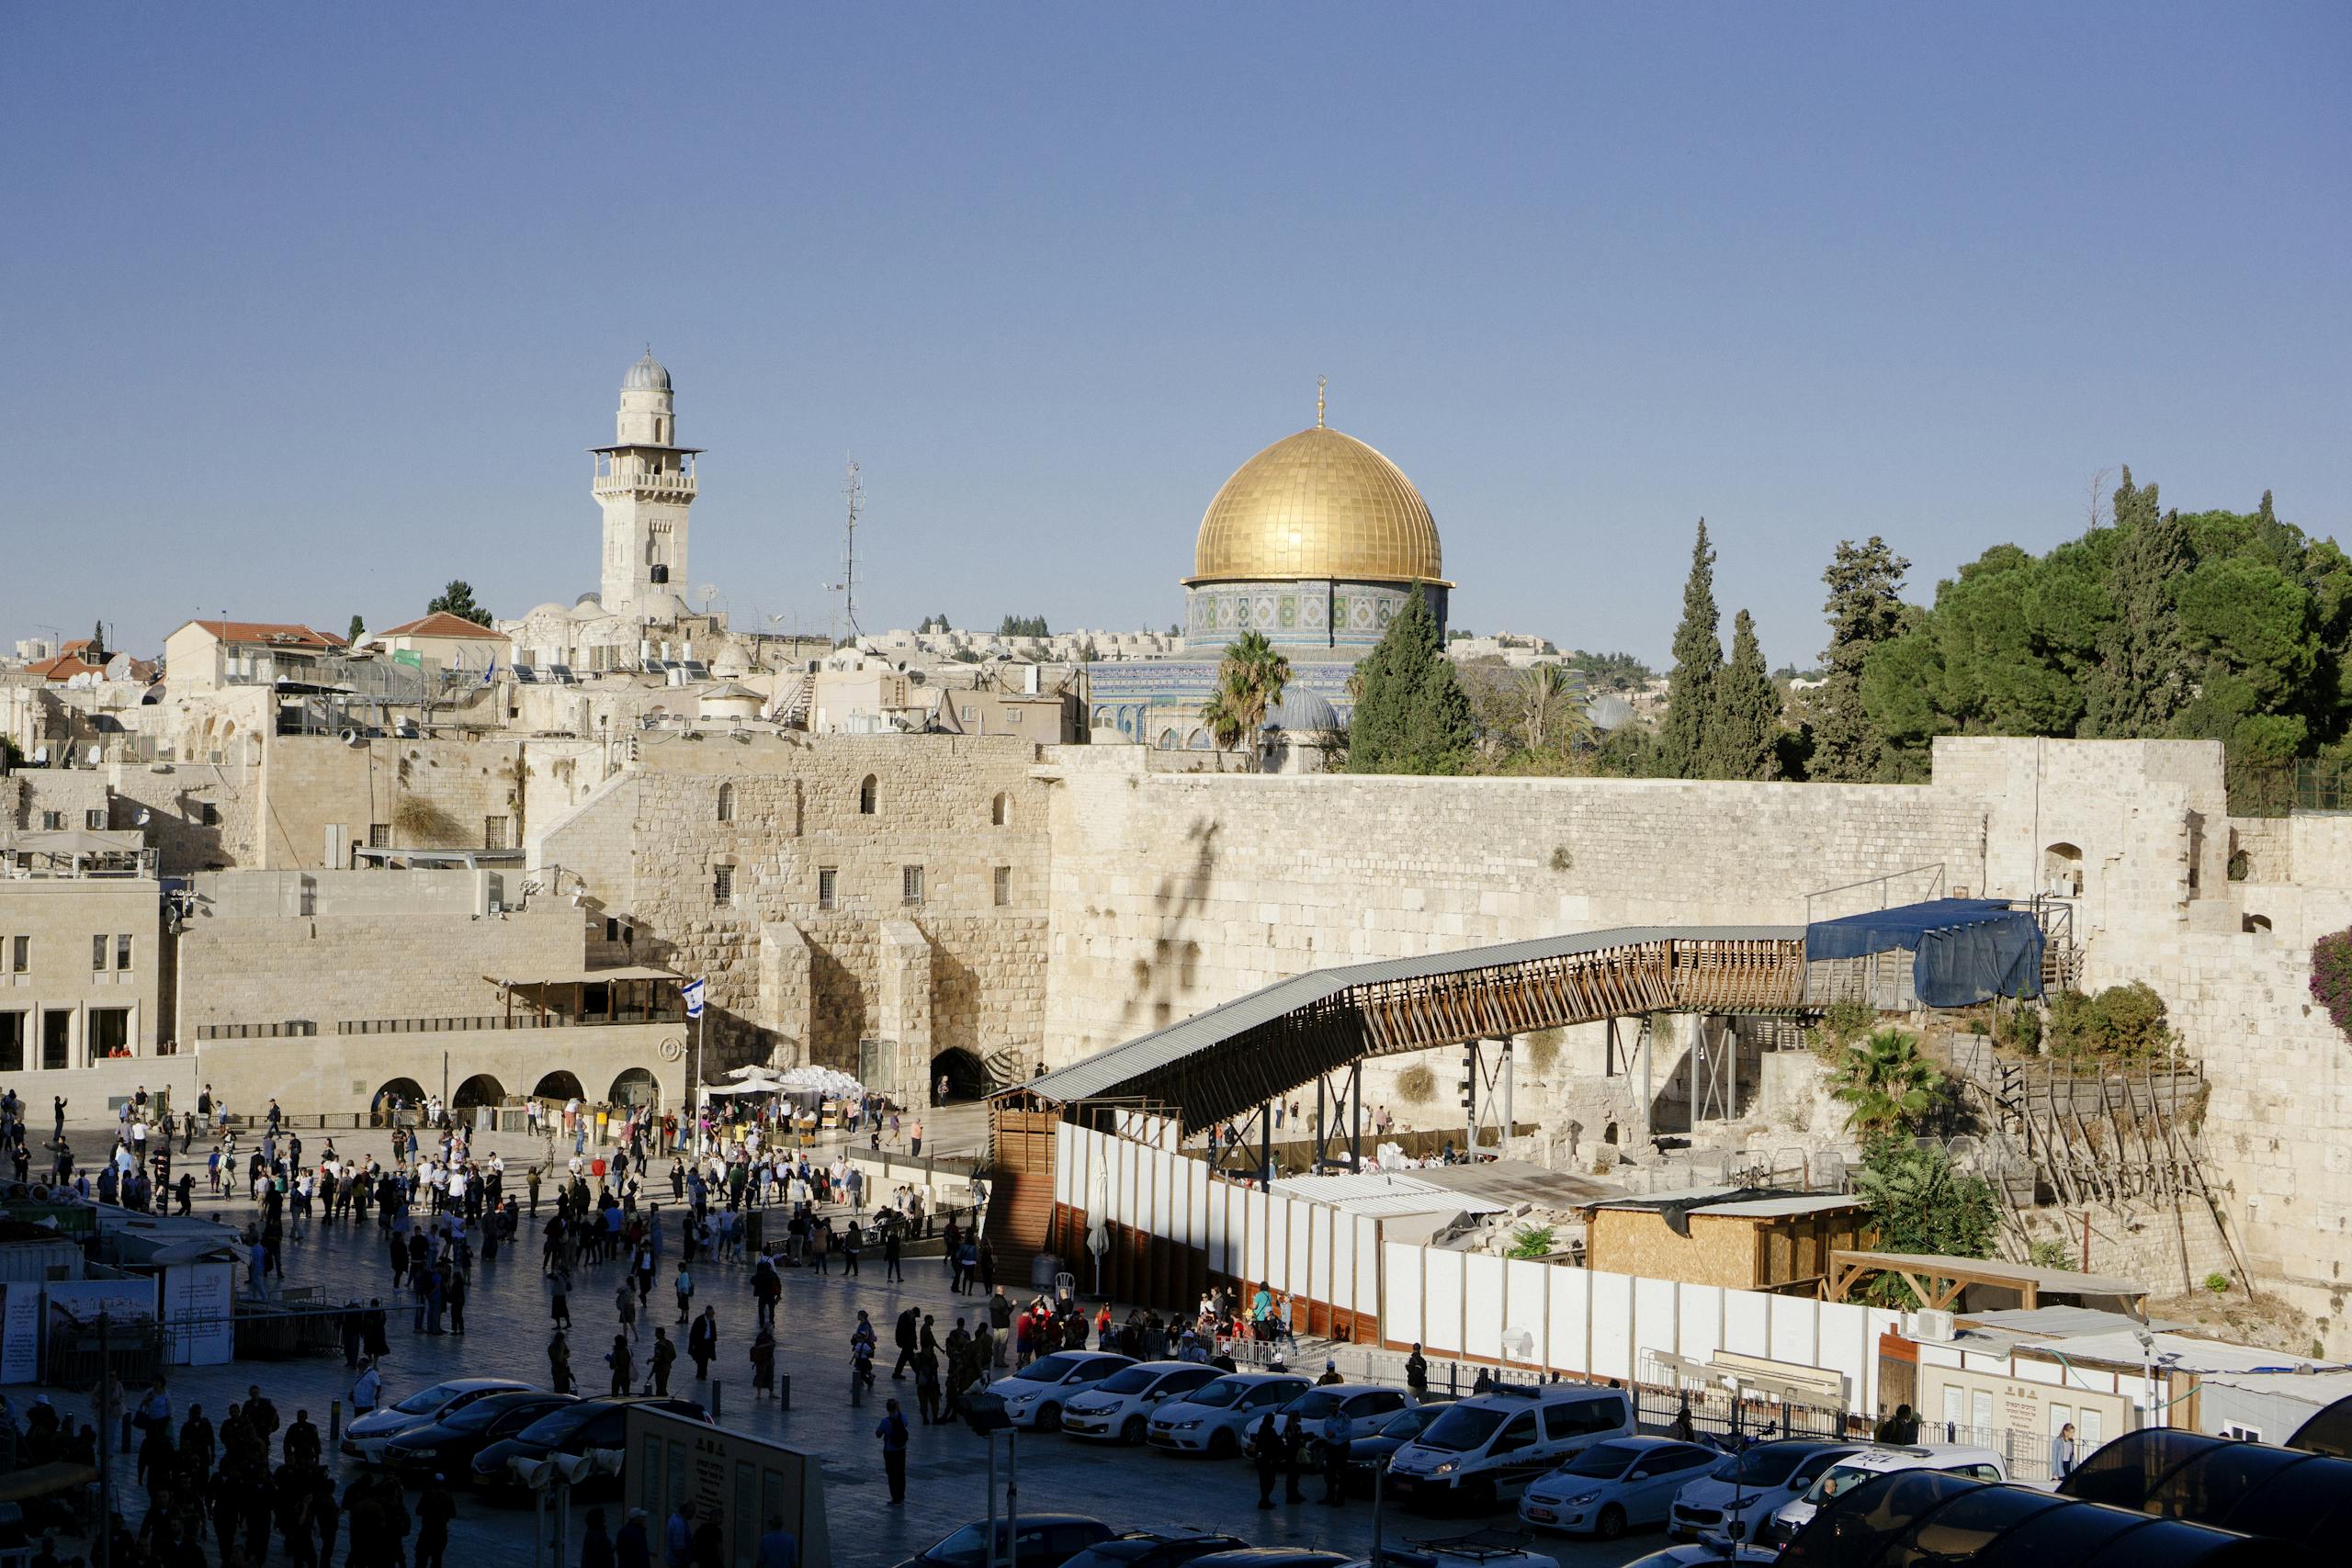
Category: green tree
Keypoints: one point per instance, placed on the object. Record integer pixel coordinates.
(458, 599)
(1919, 1202)
(1886, 1084)
(358, 629)
(1743, 742)
(1866, 611)
(1698, 665)
(2142, 678)
(1411, 715)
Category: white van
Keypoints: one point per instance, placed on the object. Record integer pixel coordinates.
(1483, 1450)
(1952, 1459)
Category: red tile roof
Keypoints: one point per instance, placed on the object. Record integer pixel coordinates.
(64, 667)
(268, 631)
(440, 623)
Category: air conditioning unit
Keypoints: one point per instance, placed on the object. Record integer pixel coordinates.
(1930, 1326)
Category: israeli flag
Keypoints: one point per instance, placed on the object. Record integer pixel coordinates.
(692, 992)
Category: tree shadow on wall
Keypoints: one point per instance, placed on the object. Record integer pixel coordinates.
(1164, 979)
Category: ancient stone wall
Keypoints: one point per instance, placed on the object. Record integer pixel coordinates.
(426, 794)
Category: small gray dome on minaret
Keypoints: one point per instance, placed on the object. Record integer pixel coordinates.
(647, 372)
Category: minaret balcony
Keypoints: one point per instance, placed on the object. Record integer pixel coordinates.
(631, 480)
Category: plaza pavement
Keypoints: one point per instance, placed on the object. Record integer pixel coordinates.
(947, 1465)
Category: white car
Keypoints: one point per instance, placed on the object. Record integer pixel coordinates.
(1734, 1500)
(1115, 1409)
(1613, 1486)
(1864, 1464)
(1214, 1418)
(1693, 1556)
(1036, 1394)
(365, 1438)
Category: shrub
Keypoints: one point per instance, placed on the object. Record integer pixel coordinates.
(1543, 1049)
(2049, 1254)
(1888, 1085)
(1530, 1241)
(2332, 976)
(1417, 1085)
(1919, 1202)
(1561, 859)
(2123, 1023)
(2022, 1029)
(2218, 1283)
(1846, 1022)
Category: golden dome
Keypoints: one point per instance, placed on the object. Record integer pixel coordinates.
(1317, 504)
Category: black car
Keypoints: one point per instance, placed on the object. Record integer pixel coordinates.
(1369, 1452)
(1152, 1548)
(573, 1430)
(1047, 1541)
(446, 1448)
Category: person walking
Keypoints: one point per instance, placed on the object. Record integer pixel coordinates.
(892, 1430)
(702, 1343)
(596, 1547)
(891, 1272)
(367, 1388)
(685, 1285)
(764, 1363)
(1266, 1452)
(1416, 1373)
(434, 1510)
(665, 1356)
(1337, 1432)
(904, 1334)
(2063, 1453)
(1294, 1449)
(559, 1365)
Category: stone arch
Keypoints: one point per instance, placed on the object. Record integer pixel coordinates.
(636, 1086)
(2061, 870)
(480, 1089)
(727, 803)
(2252, 923)
(1167, 740)
(407, 1092)
(1000, 810)
(560, 1085)
(967, 1077)
(868, 791)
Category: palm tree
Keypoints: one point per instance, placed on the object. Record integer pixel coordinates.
(1888, 1085)
(1250, 682)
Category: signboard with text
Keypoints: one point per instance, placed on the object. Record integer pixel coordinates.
(740, 1481)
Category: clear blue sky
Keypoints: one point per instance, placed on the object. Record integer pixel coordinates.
(311, 308)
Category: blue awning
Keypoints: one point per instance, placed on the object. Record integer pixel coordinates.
(1970, 950)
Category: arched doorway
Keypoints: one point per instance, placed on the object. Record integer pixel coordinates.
(479, 1089)
(965, 1076)
(559, 1086)
(2062, 871)
(400, 1094)
(637, 1086)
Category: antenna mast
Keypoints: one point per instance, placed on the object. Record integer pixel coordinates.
(853, 493)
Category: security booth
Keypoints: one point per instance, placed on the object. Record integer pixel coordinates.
(740, 1481)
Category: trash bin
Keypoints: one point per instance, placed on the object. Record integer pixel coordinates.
(1042, 1269)
(755, 1228)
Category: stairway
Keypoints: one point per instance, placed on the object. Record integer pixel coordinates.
(793, 706)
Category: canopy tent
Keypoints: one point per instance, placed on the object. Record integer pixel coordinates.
(2280, 1494)
(2329, 1432)
(1968, 950)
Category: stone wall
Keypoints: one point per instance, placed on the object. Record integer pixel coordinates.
(429, 793)
(647, 848)
(262, 969)
(1173, 893)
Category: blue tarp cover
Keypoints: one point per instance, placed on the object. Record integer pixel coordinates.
(1970, 950)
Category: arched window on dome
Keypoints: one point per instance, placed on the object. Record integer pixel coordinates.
(727, 803)
(1199, 741)
(865, 796)
(1167, 740)
(1000, 810)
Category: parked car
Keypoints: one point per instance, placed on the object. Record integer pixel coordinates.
(1734, 1500)
(1696, 1556)
(1483, 1451)
(1368, 1404)
(1471, 1551)
(1035, 1395)
(1046, 1541)
(444, 1447)
(1272, 1557)
(1153, 1549)
(1863, 1464)
(1369, 1451)
(1613, 1486)
(365, 1438)
(1213, 1418)
(1117, 1409)
(573, 1430)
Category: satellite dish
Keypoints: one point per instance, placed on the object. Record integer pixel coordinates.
(141, 818)
(707, 593)
(1518, 1344)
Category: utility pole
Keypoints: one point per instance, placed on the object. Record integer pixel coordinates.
(102, 1554)
(854, 496)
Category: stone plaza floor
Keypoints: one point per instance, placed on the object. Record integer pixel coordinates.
(508, 1331)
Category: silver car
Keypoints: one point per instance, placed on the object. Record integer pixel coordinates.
(1613, 1486)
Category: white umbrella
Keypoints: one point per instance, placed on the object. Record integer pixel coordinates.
(1098, 1219)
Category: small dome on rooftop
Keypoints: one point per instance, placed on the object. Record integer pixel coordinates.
(646, 373)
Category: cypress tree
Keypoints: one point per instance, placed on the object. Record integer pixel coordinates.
(1411, 715)
(2142, 678)
(1744, 741)
(1865, 609)
(1698, 667)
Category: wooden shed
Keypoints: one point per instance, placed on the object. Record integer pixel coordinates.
(1737, 1237)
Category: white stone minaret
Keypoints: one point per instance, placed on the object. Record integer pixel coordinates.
(645, 482)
